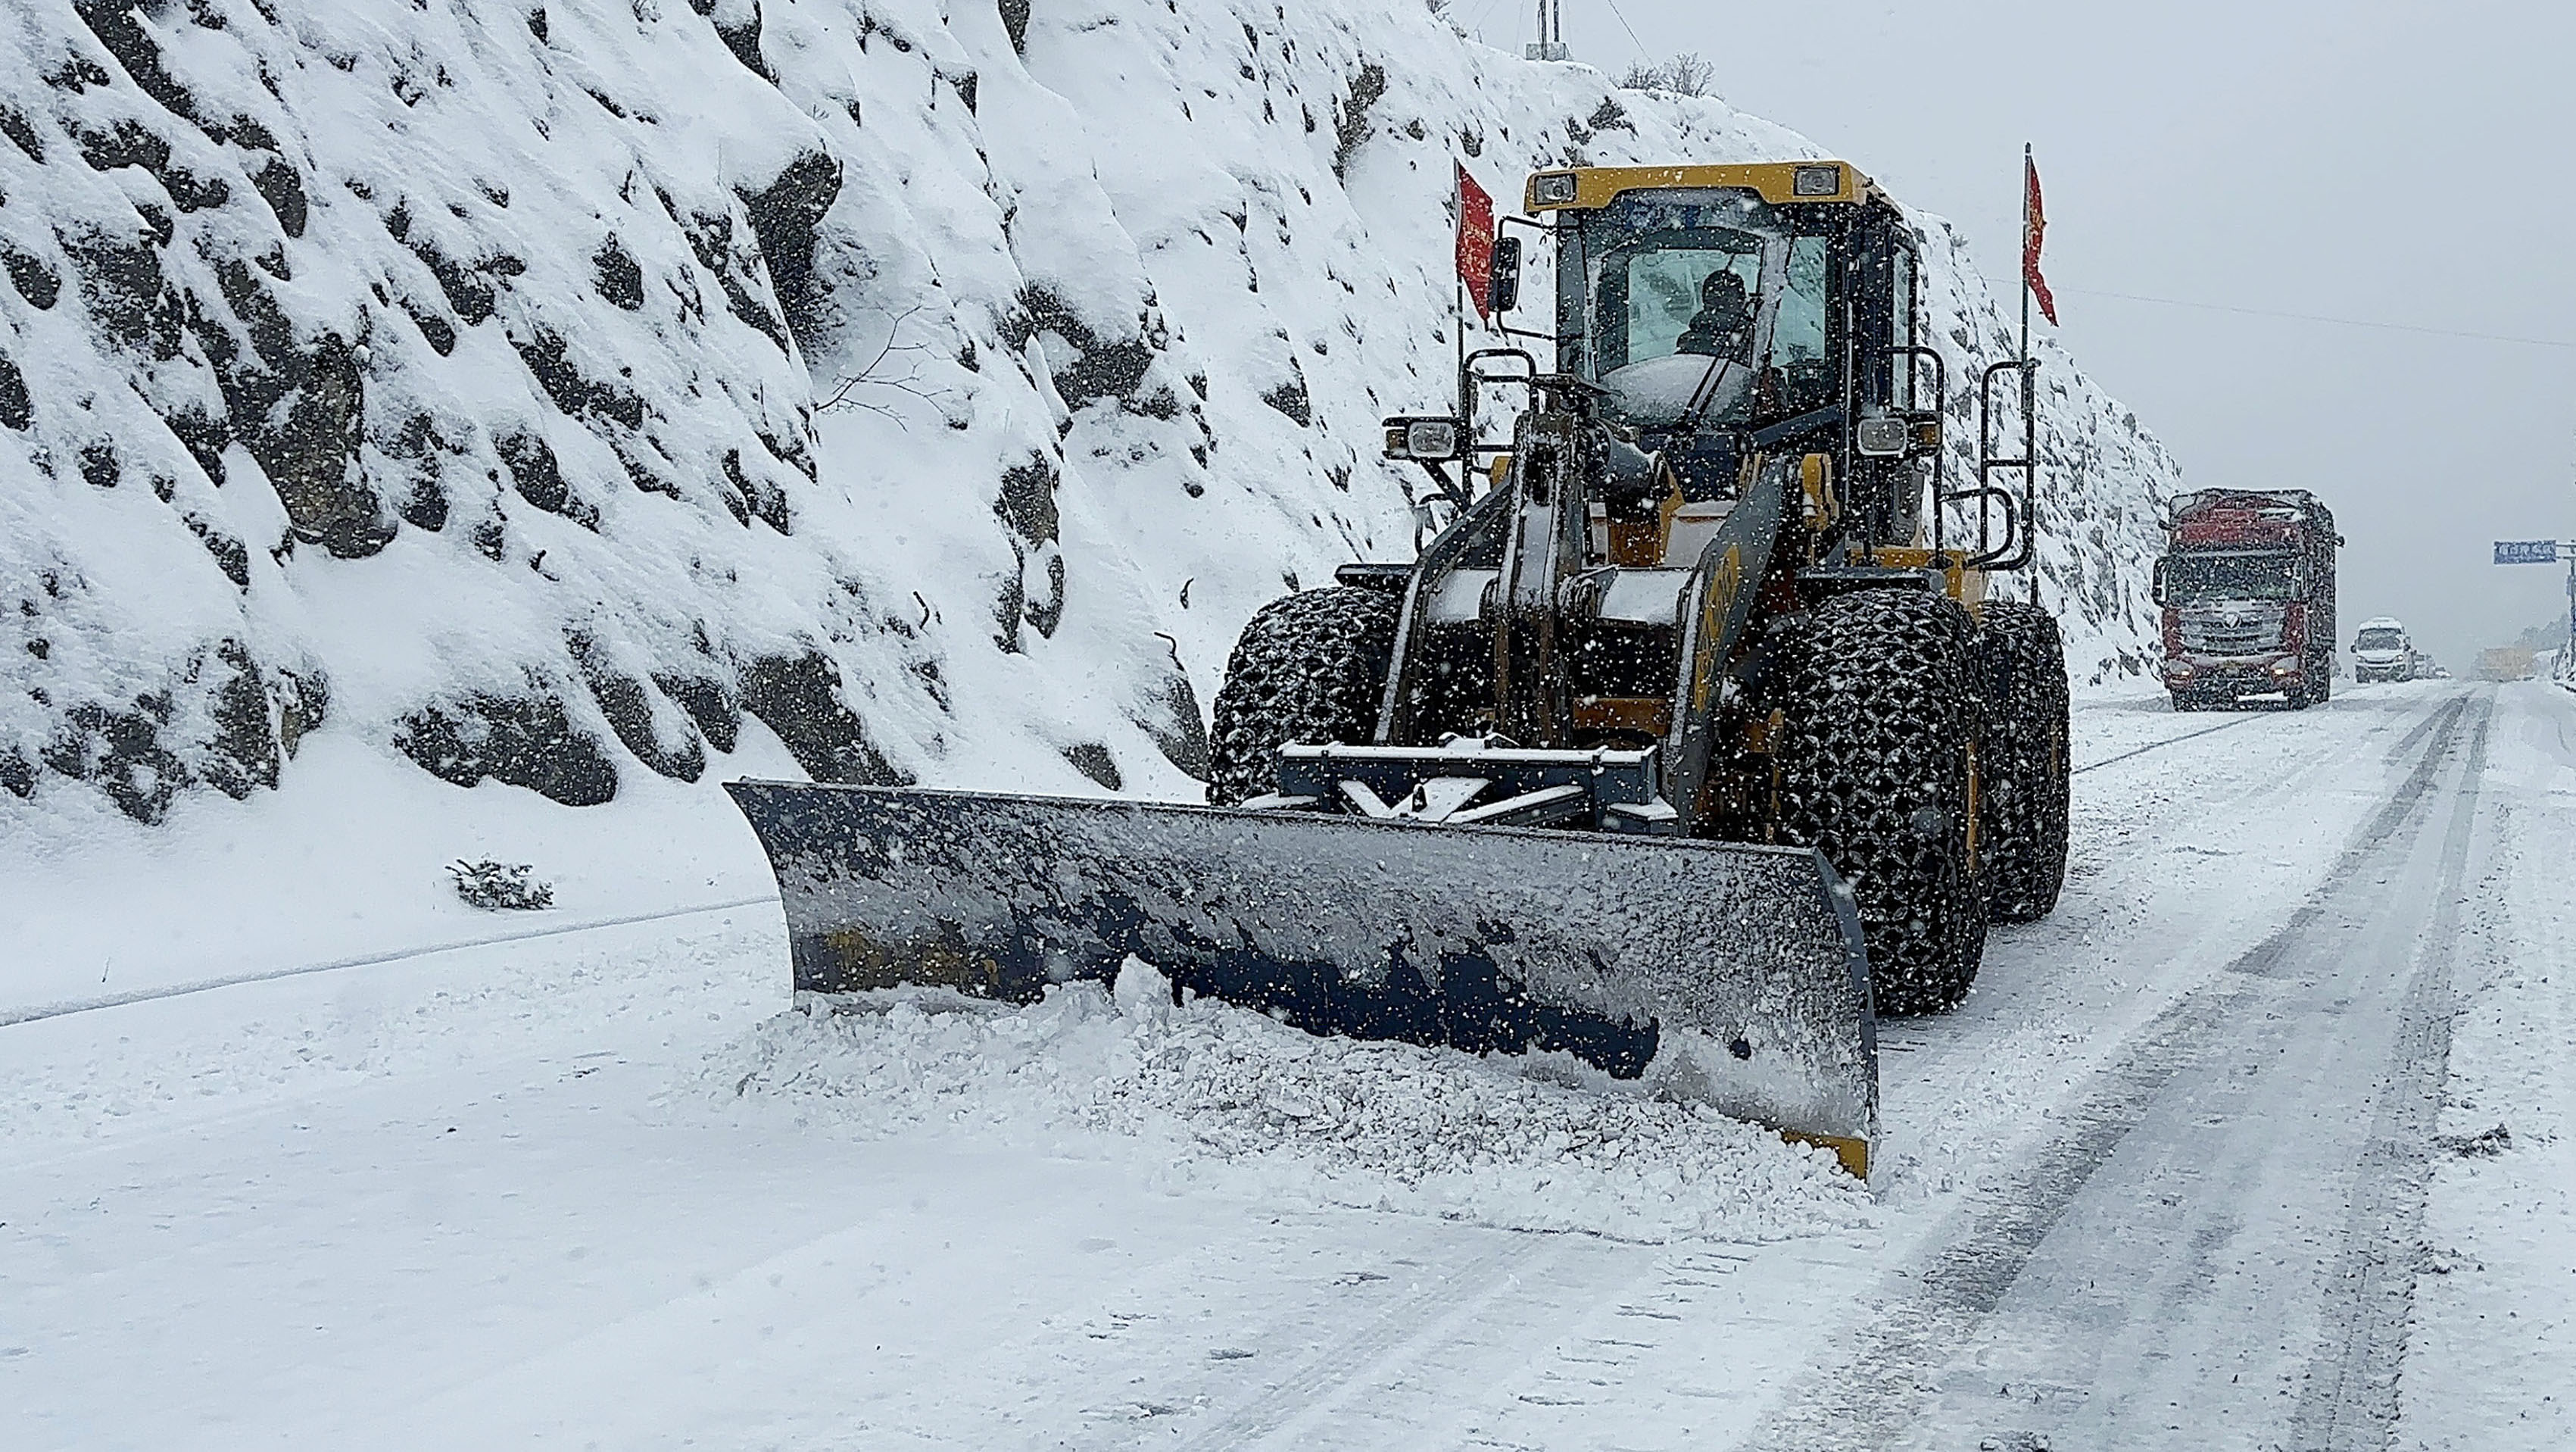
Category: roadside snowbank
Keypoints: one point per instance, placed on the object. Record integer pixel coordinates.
(1215, 1098)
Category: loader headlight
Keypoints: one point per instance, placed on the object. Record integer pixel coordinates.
(1427, 440)
(1817, 181)
(1553, 189)
(1882, 436)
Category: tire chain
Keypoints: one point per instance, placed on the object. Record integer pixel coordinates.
(1873, 771)
(2022, 764)
(1308, 667)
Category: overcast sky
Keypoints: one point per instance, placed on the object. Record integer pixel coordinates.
(2406, 164)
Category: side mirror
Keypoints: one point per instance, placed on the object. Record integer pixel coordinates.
(2157, 589)
(1507, 274)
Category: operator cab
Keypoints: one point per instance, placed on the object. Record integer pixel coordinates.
(1718, 320)
(1724, 310)
(1701, 310)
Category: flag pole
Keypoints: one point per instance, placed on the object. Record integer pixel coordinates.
(1458, 325)
(1458, 307)
(2026, 164)
(2029, 393)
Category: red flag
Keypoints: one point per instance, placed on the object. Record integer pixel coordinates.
(1476, 242)
(2034, 226)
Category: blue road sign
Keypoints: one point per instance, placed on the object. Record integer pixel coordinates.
(2526, 552)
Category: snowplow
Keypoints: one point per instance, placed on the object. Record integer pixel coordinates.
(1700, 734)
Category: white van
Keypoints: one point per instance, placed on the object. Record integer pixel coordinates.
(2381, 651)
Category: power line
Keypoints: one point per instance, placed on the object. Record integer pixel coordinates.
(1632, 32)
(2374, 324)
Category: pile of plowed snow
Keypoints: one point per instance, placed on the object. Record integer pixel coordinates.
(1214, 1097)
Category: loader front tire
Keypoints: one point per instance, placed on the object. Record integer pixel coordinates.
(1308, 667)
(1873, 762)
(2022, 764)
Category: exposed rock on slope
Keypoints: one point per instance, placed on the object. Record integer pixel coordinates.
(554, 391)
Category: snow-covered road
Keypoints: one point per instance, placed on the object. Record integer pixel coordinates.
(2206, 1161)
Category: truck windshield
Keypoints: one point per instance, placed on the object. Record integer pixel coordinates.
(1705, 302)
(2381, 639)
(2230, 577)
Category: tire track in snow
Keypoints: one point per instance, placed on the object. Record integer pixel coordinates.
(2108, 890)
(1291, 1412)
(2406, 742)
(1557, 1326)
(42, 1011)
(1870, 1399)
(2350, 1400)
(2245, 718)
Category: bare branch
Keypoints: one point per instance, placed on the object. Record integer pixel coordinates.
(1687, 74)
(871, 375)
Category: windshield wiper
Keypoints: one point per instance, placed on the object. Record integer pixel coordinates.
(1702, 396)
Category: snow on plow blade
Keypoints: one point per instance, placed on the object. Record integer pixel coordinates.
(1728, 974)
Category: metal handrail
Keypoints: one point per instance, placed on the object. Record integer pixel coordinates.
(1470, 380)
(2018, 544)
(1940, 392)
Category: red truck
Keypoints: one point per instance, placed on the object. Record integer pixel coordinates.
(2247, 583)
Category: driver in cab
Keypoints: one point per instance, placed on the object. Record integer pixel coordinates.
(1723, 326)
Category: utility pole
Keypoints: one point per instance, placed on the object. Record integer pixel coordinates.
(1550, 45)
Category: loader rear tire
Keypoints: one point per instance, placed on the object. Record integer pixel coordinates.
(1308, 667)
(1873, 762)
(2022, 767)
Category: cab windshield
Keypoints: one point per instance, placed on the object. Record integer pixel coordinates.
(1703, 303)
(2379, 638)
(2231, 577)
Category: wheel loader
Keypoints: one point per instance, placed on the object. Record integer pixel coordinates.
(1707, 729)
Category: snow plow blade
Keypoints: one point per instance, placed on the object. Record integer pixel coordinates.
(1732, 975)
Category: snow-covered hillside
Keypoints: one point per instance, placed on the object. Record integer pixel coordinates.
(558, 391)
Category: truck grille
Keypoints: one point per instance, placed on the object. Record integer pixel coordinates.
(2233, 627)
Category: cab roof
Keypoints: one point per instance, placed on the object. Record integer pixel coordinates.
(1783, 182)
